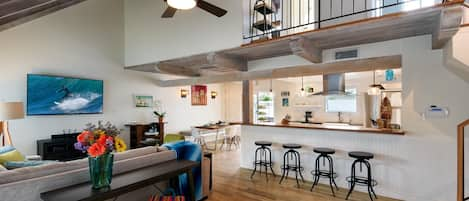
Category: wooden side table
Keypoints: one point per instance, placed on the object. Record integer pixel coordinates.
(138, 137)
(127, 182)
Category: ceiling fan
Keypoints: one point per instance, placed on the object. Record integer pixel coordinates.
(174, 5)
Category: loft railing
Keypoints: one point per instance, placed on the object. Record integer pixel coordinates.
(460, 196)
(275, 18)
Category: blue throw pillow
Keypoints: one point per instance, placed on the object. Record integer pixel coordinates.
(6, 149)
(20, 164)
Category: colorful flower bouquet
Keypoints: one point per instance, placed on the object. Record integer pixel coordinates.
(99, 142)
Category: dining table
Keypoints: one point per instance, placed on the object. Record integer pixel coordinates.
(213, 128)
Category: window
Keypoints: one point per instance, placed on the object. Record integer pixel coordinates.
(340, 103)
(264, 107)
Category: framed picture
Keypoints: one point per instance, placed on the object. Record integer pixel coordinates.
(199, 95)
(143, 101)
(285, 102)
(285, 93)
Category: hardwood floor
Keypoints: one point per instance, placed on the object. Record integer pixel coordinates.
(231, 183)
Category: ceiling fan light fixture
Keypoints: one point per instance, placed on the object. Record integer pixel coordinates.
(182, 4)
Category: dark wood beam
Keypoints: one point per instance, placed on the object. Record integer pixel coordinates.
(16, 12)
(13, 6)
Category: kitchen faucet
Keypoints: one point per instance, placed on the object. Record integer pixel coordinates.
(341, 119)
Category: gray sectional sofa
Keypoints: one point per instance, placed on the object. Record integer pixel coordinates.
(26, 184)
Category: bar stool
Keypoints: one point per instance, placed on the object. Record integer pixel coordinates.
(263, 161)
(292, 155)
(362, 158)
(324, 153)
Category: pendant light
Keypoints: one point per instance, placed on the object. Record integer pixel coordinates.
(302, 92)
(375, 89)
(182, 4)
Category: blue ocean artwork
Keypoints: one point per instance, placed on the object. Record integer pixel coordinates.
(51, 95)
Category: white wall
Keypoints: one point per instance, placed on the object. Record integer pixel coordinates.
(87, 40)
(233, 101)
(149, 38)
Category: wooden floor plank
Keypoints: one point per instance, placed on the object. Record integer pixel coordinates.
(231, 183)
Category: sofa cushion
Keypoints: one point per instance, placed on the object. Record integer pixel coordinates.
(6, 149)
(12, 155)
(142, 161)
(31, 172)
(134, 153)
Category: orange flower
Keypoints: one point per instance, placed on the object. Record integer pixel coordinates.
(96, 150)
(102, 140)
(82, 137)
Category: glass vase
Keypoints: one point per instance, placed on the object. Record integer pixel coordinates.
(101, 170)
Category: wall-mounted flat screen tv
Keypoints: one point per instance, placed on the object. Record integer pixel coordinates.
(54, 95)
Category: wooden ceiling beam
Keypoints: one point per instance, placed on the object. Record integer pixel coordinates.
(15, 15)
(196, 65)
(226, 61)
(167, 68)
(450, 20)
(304, 48)
(356, 65)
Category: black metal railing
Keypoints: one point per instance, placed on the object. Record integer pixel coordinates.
(275, 18)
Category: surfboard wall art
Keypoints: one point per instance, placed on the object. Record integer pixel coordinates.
(54, 95)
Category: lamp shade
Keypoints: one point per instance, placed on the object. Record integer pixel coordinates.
(11, 110)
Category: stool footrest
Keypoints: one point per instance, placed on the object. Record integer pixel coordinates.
(324, 173)
(263, 163)
(361, 181)
(292, 167)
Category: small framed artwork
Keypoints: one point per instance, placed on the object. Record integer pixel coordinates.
(143, 101)
(285, 93)
(285, 102)
(199, 95)
(310, 90)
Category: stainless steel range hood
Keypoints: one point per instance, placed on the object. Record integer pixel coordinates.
(333, 84)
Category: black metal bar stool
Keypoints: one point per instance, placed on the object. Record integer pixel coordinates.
(324, 153)
(362, 158)
(292, 162)
(265, 158)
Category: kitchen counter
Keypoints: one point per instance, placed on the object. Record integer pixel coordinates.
(348, 128)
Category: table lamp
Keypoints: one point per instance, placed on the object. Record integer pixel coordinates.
(9, 111)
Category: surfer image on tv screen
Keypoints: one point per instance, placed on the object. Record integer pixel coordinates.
(66, 92)
(73, 101)
(55, 95)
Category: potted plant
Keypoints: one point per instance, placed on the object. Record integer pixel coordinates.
(100, 142)
(160, 116)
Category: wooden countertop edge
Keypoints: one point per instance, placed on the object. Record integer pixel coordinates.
(363, 130)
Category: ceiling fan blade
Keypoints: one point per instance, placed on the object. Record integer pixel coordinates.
(169, 12)
(215, 10)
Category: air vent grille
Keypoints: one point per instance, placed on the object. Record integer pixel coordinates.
(346, 54)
